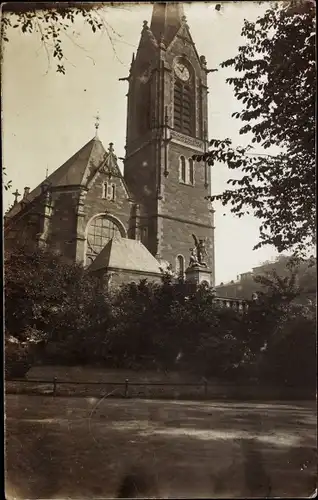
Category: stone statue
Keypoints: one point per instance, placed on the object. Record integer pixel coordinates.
(200, 250)
(193, 257)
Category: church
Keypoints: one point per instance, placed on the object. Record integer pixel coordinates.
(143, 222)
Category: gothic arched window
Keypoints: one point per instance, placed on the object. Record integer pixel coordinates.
(182, 169)
(100, 230)
(113, 194)
(144, 108)
(105, 190)
(191, 171)
(180, 266)
(184, 107)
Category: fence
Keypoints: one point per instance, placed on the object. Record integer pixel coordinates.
(156, 390)
(125, 389)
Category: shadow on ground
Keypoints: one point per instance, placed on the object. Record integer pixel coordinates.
(82, 448)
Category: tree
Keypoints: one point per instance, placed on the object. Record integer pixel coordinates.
(279, 332)
(7, 184)
(50, 299)
(174, 326)
(290, 358)
(52, 20)
(276, 84)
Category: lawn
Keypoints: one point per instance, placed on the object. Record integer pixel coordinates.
(82, 447)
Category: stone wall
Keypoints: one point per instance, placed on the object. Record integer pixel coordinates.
(122, 276)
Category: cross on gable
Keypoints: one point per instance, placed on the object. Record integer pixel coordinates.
(16, 195)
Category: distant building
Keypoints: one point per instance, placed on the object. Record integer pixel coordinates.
(245, 286)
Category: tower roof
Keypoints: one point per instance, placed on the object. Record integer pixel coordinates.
(166, 20)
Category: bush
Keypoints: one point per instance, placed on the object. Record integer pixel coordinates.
(18, 359)
(290, 359)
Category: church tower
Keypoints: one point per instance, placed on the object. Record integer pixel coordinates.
(167, 123)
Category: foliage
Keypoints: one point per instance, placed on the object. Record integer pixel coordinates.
(52, 21)
(162, 326)
(17, 358)
(275, 81)
(7, 184)
(290, 356)
(281, 339)
(49, 296)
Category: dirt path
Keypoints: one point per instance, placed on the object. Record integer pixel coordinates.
(82, 448)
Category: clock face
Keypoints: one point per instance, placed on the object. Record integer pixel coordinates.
(182, 71)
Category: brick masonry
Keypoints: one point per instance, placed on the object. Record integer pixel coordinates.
(151, 202)
(175, 210)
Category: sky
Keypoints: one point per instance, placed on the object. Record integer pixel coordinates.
(48, 116)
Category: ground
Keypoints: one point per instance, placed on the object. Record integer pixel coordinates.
(82, 447)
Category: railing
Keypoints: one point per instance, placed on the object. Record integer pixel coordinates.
(237, 304)
(125, 389)
(202, 390)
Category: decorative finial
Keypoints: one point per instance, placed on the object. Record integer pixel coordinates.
(97, 118)
(162, 44)
(184, 19)
(47, 173)
(145, 25)
(203, 60)
(111, 147)
(16, 196)
(45, 186)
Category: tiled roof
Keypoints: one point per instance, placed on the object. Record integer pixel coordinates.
(69, 174)
(124, 253)
(76, 171)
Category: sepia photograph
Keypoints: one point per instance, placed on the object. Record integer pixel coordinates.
(159, 229)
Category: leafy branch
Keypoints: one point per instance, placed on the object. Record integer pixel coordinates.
(275, 81)
(52, 21)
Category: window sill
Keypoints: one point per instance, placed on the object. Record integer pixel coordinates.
(186, 184)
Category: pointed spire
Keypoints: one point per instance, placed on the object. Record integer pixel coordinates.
(166, 20)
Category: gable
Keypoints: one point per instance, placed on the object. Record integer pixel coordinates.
(106, 169)
(183, 44)
(101, 188)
